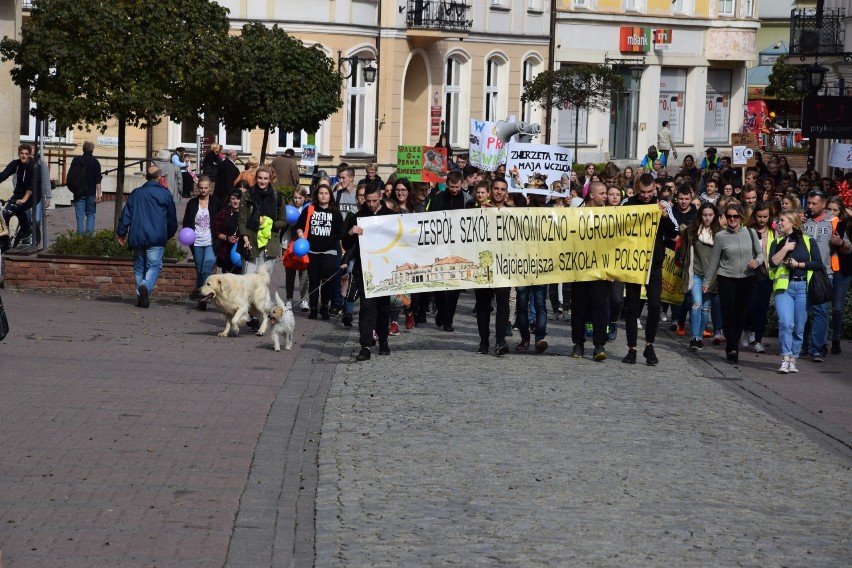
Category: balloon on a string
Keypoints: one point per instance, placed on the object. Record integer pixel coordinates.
(236, 257)
(292, 215)
(301, 247)
(186, 237)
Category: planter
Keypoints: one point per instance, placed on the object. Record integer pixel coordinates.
(103, 277)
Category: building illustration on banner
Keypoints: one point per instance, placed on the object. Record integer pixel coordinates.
(451, 271)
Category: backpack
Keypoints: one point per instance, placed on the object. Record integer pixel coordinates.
(76, 177)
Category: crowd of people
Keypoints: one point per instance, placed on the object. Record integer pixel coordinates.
(740, 237)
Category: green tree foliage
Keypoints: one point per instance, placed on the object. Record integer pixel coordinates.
(589, 86)
(282, 83)
(87, 62)
(782, 81)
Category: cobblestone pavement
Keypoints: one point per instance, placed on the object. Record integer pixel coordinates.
(436, 455)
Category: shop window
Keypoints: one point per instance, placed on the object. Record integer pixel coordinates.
(673, 100)
(717, 106)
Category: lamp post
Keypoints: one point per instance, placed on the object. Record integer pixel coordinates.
(636, 79)
(347, 65)
(809, 83)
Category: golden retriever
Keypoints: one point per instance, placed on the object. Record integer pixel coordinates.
(238, 296)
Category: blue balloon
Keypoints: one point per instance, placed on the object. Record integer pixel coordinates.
(301, 247)
(292, 214)
(236, 257)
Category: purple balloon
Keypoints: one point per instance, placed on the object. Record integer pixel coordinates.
(301, 247)
(186, 237)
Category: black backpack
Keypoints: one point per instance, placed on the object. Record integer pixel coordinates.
(76, 177)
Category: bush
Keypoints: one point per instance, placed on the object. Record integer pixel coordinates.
(580, 168)
(103, 243)
(287, 192)
(845, 330)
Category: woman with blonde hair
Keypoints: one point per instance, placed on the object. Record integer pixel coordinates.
(250, 171)
(792, 258)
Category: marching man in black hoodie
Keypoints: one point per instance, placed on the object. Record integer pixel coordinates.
(373, 315)
(646, 195)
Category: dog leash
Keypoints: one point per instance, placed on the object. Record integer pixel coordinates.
(324, 281)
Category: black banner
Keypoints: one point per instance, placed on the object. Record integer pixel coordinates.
(827, 117)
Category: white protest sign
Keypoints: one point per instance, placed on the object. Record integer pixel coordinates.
(840, 156)
(527, 165)
(486, 150)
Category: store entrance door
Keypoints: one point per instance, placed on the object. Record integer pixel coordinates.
(623, 120)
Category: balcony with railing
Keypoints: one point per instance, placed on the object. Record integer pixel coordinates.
(814, 32)
(442, 16)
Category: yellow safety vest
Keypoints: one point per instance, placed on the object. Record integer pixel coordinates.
(781, 274)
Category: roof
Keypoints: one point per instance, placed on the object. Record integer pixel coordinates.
(451, 260)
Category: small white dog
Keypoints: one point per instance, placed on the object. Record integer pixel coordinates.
(283, 323)
(238, 296)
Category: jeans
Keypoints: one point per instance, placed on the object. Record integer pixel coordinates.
(735, 295)
(757, 311)
(791, 305)
(841, 286)
(205, 260)
(589, 301)
(819, 327)
(147, 264)
(653, 290)
(483, 313)
(699, 309)
(84, 208)
(539, 299)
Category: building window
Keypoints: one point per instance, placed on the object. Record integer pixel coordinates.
(633, 5)
(356, 115)
(682, 7)
(531, 68)
(497, 3)
(534, 5)
(584, 4)
(492, 90)
(209, 128)
(452, 100)
(717, 106)
(673, 100)
(726, 7)
(748, 9)
(567, 117)
(52, 132)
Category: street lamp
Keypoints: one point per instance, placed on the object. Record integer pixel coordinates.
(346, 65)
(815, 75)
(636, 72)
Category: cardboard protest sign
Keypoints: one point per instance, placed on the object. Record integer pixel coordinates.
(422, 163)
(532, 168)
(840, 156)
(486, 151)
(744, 146)
(309, 158)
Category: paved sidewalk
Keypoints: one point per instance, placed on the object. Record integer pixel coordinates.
(437, 455)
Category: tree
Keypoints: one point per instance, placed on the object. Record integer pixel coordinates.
(589, 86)
(782, 81)
(86, 62)
(283, 83)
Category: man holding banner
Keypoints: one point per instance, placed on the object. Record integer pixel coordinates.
(452, 198)
(374, 313)
(590, 298)
(645, 195)
(499, 193)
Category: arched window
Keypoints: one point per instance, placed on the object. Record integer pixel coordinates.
(359, 110)
(452, 99)
(492, 89)
(530, 68)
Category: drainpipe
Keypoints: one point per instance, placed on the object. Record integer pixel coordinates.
(378, 84)
(551, 61)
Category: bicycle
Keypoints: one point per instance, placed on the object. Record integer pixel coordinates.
(13, 237)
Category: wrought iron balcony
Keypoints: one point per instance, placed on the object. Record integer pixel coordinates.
(439, 15)
(815, 32)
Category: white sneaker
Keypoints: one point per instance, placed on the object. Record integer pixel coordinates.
(288, 304)
(638, 323)
(664, 317)
(759, 348)
(304, 306)
(745, 342)
(793, 368)
(750, 337)
(785, 367)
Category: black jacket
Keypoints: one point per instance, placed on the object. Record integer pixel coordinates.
(213, 207)
(351, 243)
(226, 175)
(666, 230)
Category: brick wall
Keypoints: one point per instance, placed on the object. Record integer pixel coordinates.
(93, 276)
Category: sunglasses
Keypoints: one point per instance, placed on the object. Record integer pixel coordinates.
(732, 216)
(816, 193)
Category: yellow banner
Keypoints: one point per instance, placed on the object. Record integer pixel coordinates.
(671, 280)
(485, 248)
